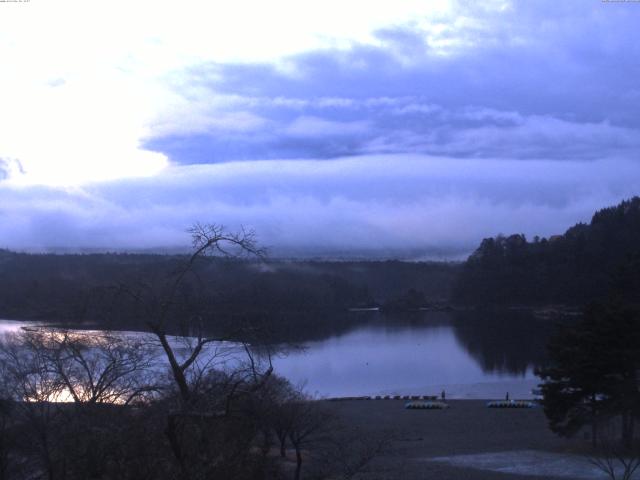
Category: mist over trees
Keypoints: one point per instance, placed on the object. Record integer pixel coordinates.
(84, 289)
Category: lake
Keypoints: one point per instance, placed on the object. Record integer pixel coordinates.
(466, 355)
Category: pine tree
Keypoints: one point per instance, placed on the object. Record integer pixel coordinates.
(594, 372)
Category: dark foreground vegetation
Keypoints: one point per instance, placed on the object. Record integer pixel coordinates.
(87, 405)
(125, 418)
(592, 379)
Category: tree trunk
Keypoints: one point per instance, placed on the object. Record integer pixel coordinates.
(266, 443)
(298, 464)
(178, 373)
(283, 441)
(627, 430)
(174, 442)
(51, 474)
(594, 423)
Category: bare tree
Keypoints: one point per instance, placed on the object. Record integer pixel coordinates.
(44, 369)
(209, 372)
(6, 438)
(346, 452)
(281, 418)
(332, 450)
(210, 404)
(174, 304)
(90, 367)
(307, 421)
(28, 381)
(617, 459)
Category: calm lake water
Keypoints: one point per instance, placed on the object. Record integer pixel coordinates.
(467, 355)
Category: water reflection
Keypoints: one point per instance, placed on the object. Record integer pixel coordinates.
(508, 341)
(468, 354)
(424, 353)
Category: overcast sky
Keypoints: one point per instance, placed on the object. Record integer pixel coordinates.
(335, 124)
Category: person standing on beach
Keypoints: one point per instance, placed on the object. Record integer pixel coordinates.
(442, 395)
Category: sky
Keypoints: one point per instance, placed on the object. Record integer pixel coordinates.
(333, 125)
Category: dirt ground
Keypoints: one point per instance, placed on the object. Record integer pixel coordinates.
(467, 427)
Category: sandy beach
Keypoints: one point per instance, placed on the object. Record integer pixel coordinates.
(466, 441)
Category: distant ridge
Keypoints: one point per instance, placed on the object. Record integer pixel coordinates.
(288, 253)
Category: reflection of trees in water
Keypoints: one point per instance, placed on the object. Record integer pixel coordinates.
(503, 341)
(302, 327)
(500, 341)
(313, 326)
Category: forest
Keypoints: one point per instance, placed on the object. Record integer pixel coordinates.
(571, 269)
(87, 289)
(568, 269)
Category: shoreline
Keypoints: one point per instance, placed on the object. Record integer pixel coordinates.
(466, 441)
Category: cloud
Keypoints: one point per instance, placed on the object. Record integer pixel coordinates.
(510, 81)
(405, 124)
(77, 100)
(306, 126)
(402, 125)
(358, 203)
(498, 79)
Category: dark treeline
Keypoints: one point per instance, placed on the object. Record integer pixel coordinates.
(85, 288)
(573, 269)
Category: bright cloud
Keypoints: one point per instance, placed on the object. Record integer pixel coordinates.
(89, 81)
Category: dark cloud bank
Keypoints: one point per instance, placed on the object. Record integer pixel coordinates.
(422, 204)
